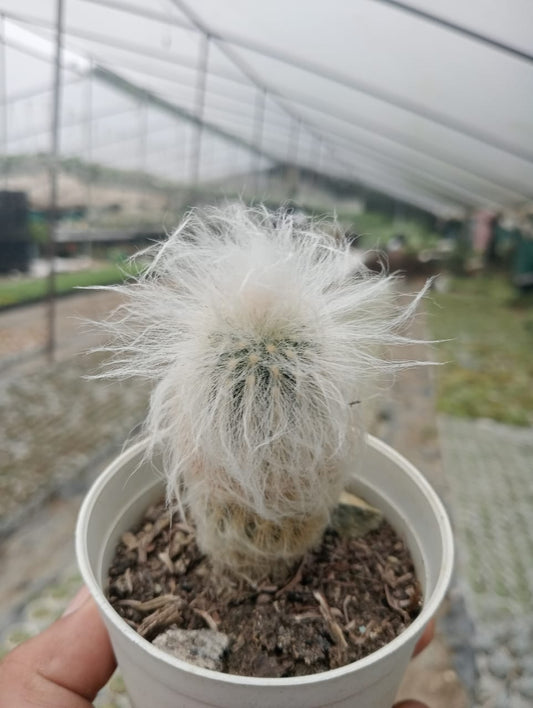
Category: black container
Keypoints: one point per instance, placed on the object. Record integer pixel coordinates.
(14, 233)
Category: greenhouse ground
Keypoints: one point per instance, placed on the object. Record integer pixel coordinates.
(482, 653)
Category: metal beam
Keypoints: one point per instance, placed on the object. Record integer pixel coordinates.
(422, 177)
(257, 135)
(315, 104)
(126, 86)
(420, 199)
(115, 43)
(143, 134)
(242, 65)
(142, 12)
(432, 151)
(400, 102)
(53, 177)
(199, 106)
(3, 99)
(89, 124)
(460, 29)
(315, 128)
(405, 104)
(355, 146)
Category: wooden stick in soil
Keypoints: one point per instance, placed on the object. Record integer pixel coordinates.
(334, 627)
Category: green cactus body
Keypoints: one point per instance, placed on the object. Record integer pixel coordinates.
(267, 370)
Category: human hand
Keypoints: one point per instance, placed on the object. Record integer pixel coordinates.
(422, 643)
(67, 664)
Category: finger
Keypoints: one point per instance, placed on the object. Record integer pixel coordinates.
(77, 601)
(64, 667)
(426, 638)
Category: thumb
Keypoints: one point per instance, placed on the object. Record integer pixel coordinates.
(63, 667)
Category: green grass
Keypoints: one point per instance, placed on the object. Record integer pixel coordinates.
(376, 230)
(14, 291)
(489, 373)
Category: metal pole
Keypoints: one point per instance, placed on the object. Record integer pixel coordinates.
(199, 105)
(348, 80)
(315, 160)
(459, 29)
(293, 172)
(294, 141)
(89, 153)
(53, 173)
(341, 78)
(143, 136)
(257, 137)
(3, 99)
(181, 140)
(178, 146)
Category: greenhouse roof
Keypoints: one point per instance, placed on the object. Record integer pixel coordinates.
(431, 103)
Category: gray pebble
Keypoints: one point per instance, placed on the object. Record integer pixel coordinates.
(526, 665)
(502, 633)
(501, 664)
(518, 701)
(487, 687)
(501, 700)
(482, 663)
(201, 647)
(520, 644)
(483, 641)
(524, 685)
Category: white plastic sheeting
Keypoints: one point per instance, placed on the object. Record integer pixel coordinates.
(436, 110)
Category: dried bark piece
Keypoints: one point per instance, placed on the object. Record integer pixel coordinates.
(130, 540)
(208, 619)
(160, 620)
(294, 580)
(395, 604)
(164, 557)
(334, 627)
(150, 605)
(180, 539)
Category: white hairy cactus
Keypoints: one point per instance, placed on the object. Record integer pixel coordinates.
(258, 337)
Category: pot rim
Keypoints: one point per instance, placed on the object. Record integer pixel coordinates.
(428, 610)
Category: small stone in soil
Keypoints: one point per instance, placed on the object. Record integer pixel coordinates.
(202, 647)
(353, 517)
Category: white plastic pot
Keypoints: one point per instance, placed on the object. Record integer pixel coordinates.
(155, 679)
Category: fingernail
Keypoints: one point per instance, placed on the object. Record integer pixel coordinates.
(77, 601)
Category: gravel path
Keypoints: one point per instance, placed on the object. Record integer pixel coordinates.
(489, 469)
(58, 430)
(55, 425)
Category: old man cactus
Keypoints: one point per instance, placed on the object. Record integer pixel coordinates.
(261, 337)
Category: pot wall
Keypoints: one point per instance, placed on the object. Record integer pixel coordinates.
(385, 479)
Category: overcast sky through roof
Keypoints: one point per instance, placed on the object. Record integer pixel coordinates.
(355, 88)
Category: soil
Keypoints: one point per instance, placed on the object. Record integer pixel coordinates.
(346, 599)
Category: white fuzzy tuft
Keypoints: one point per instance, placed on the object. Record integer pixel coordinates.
(258, 337)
